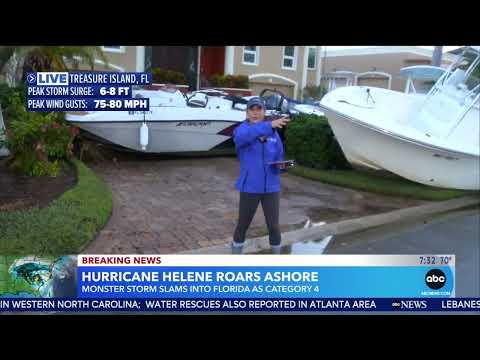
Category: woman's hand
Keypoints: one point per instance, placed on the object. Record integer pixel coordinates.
(279, 123)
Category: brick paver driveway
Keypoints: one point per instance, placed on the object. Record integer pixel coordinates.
(165, 205)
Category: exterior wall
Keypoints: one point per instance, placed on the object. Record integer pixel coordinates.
(126, 61)
(311, 76)
(388, 63)
(257, 87)
(269, 61)
(373, 81)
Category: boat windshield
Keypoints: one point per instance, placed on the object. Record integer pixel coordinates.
(463, 76)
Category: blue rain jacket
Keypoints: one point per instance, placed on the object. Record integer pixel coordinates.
(256, 175)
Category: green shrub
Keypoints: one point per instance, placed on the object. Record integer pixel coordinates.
(218, 80)
(239, 82)
(314, 92)
(12, 100)
(163, 76)
(39, 142)
(311, 142)
(229, 81)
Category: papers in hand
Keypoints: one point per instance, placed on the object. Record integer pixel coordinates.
(286, 163)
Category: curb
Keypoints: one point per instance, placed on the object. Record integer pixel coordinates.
(343, 227)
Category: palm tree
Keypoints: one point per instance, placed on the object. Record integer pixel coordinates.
(16, 61)
(437, 56)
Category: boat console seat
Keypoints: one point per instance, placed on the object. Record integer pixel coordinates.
(198, 100)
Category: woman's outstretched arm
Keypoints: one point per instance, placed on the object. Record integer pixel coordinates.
(245, 135)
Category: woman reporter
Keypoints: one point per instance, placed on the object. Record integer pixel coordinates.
(258, 145)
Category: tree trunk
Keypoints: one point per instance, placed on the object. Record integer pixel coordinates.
(437, 56)
(10, 70)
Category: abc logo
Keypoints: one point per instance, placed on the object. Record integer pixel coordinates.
(435, 279)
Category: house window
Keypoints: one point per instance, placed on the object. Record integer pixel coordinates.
(250, 55)
(312, 58)
(289, 57)
(114, 49)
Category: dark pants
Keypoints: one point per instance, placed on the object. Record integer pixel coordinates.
(248, 207)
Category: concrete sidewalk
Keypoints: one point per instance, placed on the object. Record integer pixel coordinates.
(347, 226)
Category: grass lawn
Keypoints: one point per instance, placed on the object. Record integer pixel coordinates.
(363, 180)
(65, 226)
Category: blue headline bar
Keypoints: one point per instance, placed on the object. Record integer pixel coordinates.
(261, 281)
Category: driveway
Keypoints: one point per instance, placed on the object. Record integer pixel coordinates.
(166, 205)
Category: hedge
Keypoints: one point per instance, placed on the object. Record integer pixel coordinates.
(229, 81)
(311, 142)
(162, 76)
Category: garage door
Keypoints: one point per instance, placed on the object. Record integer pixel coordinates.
(381, 82)
(258, 87)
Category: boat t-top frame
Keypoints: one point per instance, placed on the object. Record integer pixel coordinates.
(456, 77)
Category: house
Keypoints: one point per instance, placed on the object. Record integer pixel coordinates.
(375, 66)
(286, 68)
(121, 58)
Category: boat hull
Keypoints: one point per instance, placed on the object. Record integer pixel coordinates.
(367, 146)
(164, 136)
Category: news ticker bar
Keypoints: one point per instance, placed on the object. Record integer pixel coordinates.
(304, 305)
(85, 91)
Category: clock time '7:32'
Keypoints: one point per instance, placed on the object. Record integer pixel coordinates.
(132, 104)
(435, 260)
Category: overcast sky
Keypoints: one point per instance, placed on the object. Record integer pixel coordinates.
(445, 48)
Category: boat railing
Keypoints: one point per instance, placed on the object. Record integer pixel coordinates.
(465, 111)
(454, 83)
(461, 74)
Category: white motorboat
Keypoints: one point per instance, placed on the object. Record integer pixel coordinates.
(171, 125)
(197, 122)
(432, 139)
